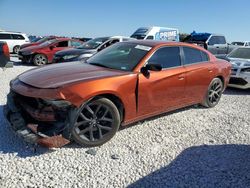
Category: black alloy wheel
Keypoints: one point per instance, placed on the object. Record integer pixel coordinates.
(16, 49)
(214, 93)
(96, 122)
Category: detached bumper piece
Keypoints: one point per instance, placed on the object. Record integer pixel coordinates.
(29, 125)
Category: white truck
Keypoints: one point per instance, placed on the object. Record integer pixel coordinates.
(156, 33)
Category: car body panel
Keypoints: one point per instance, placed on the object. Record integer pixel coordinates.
(66, 74)
(140, 95)
(4, 54)
(47, 50)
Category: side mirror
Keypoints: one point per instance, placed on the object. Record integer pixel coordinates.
(52, 47)
(152, 67)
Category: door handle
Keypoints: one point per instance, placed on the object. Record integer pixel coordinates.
(217, 47)
(210, 70)
(180, 78)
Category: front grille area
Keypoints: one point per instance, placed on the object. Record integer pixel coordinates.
(237, 81)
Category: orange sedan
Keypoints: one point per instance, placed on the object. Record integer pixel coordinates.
(127, 82)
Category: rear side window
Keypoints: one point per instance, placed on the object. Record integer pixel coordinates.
(167, 57)
(17, 37)
(192, 56)
(75, 43)
(5, 36)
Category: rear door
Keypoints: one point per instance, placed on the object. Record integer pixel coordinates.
(162, 90)
(199, 73)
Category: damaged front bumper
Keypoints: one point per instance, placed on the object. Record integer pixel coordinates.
(37, 121)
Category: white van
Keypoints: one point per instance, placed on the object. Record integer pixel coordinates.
(156, 33)
(14, 40)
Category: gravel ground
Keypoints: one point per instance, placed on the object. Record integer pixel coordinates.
(192, 147)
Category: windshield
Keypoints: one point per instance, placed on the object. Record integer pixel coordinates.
(238, 43)
(140, 33)
(48, 42)
(136, 36)
(94, 43)
(44, 39)
(36, 39)
(120, 56)
(243, 53)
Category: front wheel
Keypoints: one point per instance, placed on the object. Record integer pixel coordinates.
(40, 59)
(96, 122)
(16, 49)
(214, 93)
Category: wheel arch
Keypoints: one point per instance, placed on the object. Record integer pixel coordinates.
(222, 79)
(116, 100)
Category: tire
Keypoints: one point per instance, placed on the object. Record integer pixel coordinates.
(40, 59)
(214, 93)
(95, 123)
(16, 49)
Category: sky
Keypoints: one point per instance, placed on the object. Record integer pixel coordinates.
(96, 18)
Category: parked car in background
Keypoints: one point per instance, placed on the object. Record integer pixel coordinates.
(246, 43)
(39, 41)
(124, 83)
(14, 40)
(215, 43)
(83, 39)
(240, 60)
(43, 53)
(88, 49)
(156, 33)
(34, 38)
(4, 54)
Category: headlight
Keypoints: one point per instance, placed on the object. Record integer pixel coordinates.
(84, 56)
(57, 103)
(70, 56)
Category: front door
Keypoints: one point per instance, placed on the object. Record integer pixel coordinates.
(165, 89)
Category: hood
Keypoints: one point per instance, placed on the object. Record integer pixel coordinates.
(75, 51)
(32, 48)
(59, 75)
(27, 45)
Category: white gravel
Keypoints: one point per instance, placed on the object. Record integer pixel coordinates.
(193, 147)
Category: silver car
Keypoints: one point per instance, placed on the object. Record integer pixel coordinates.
(240, 76)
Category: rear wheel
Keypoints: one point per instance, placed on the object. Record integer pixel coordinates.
(96, 122)
(16, 49)
(40, 59)
(214, 93)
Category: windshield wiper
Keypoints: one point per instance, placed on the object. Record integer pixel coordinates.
(100, 65)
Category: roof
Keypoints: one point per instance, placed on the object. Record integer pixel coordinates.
(119, 37)
(11, 32)
(153, 43)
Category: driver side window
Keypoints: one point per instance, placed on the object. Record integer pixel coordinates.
(62, 44)
(167, 57)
